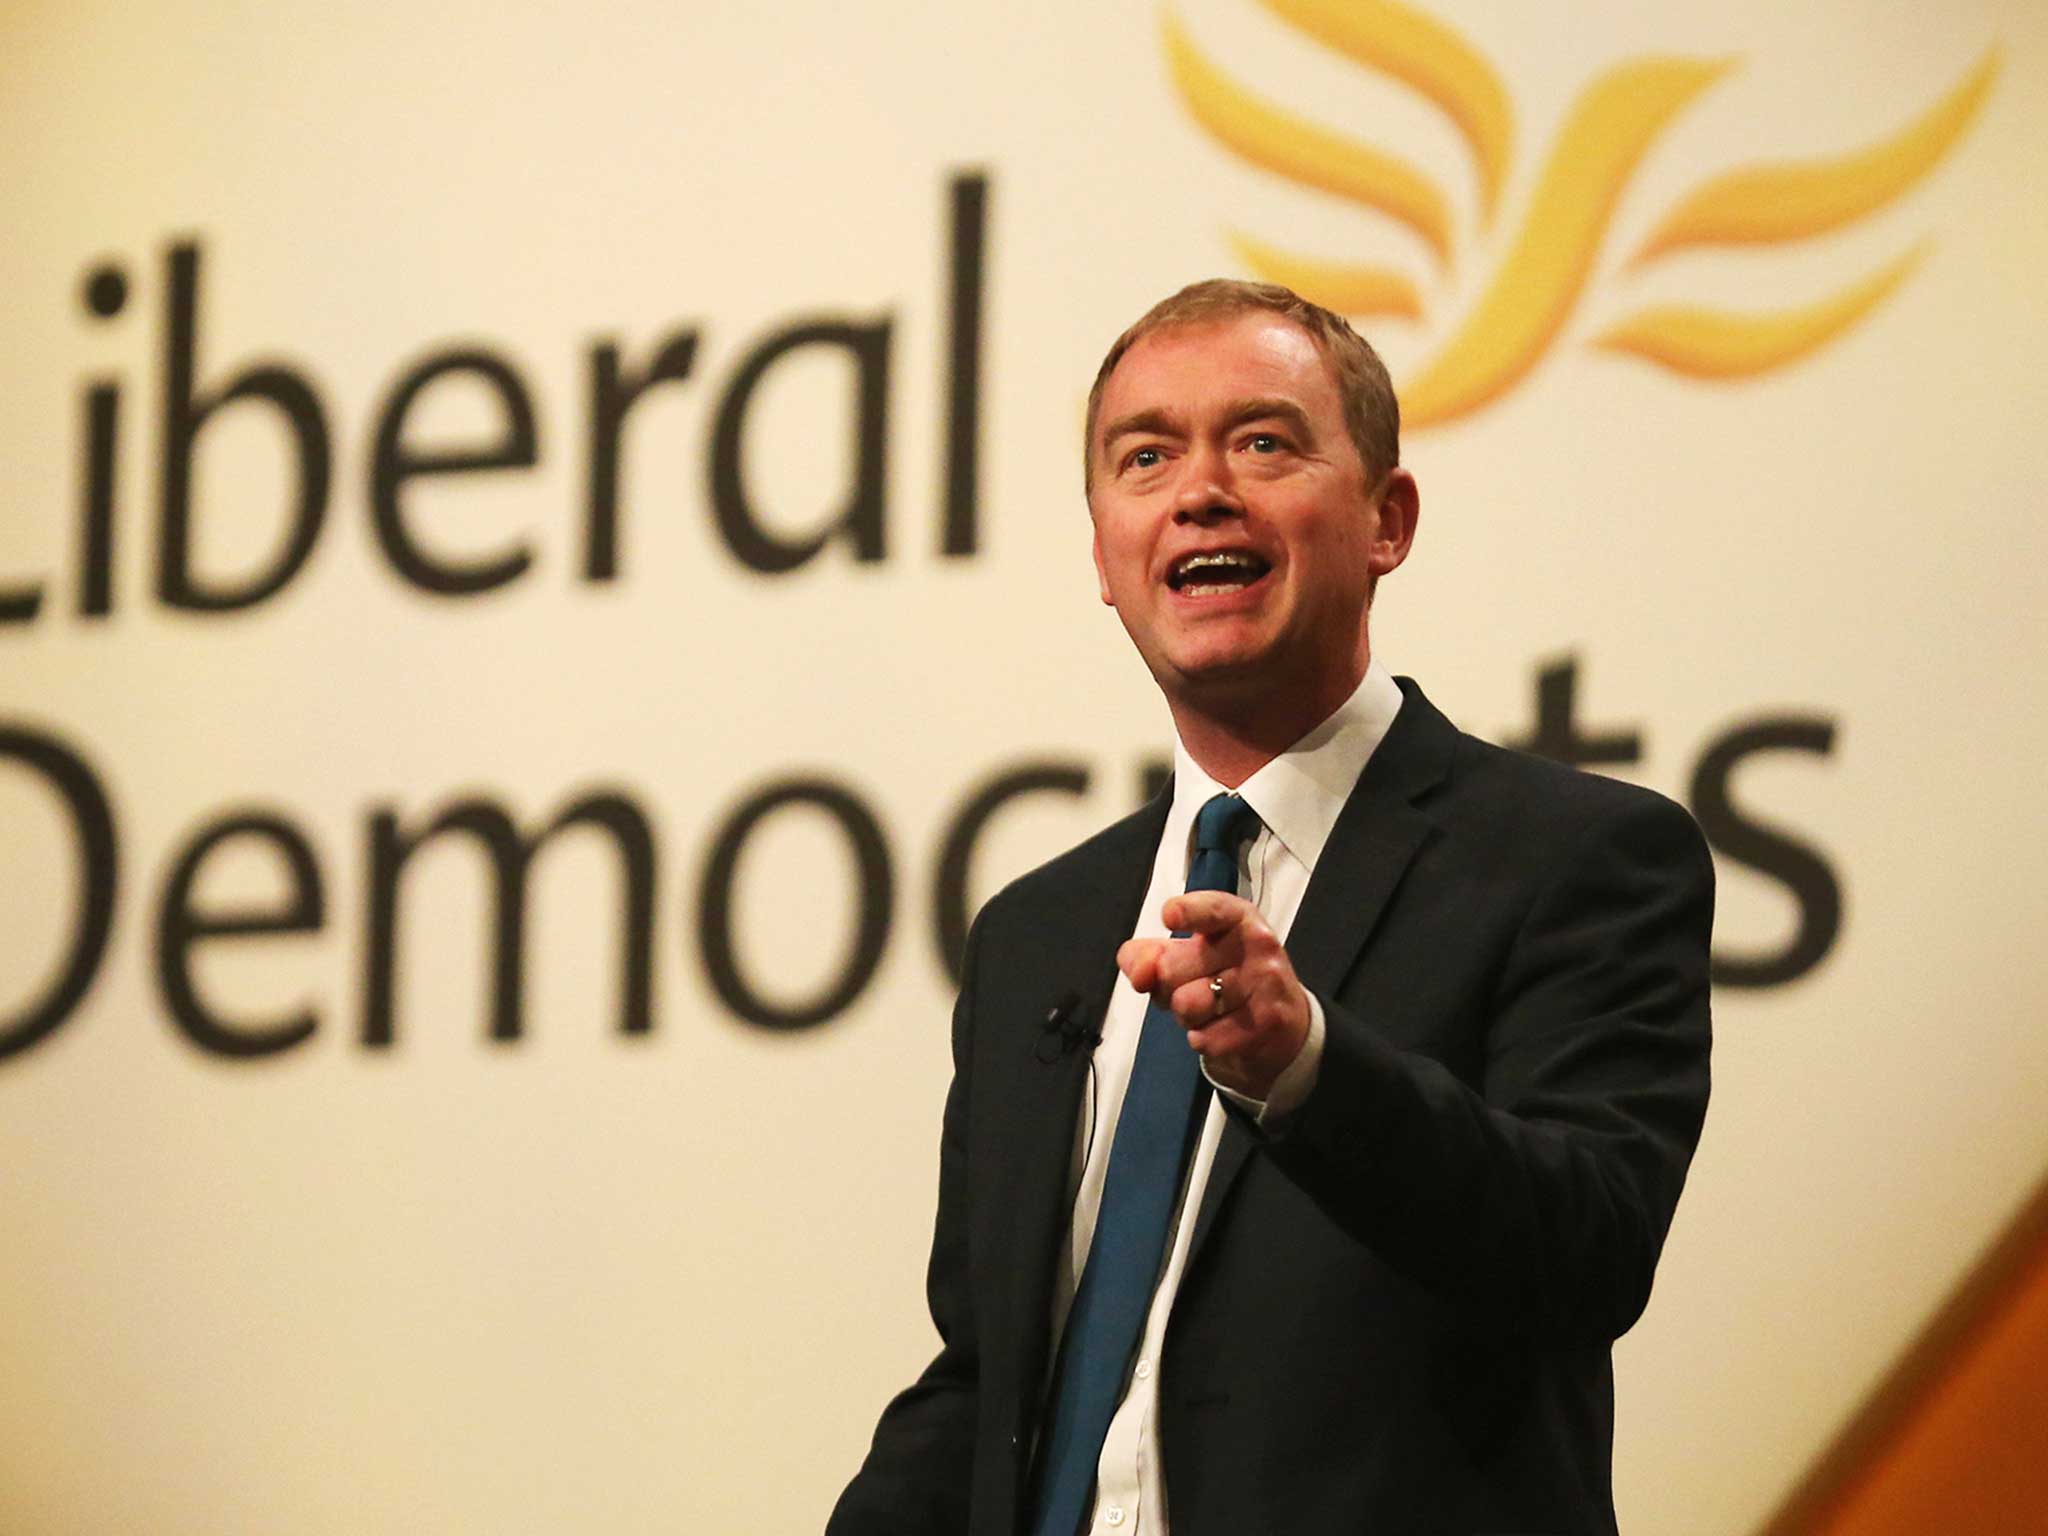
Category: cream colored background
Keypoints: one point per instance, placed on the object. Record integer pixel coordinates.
(660, 1285)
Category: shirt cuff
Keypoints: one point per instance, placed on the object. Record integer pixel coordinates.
(1292, 1087)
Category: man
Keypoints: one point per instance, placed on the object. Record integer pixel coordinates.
(1362, 1272)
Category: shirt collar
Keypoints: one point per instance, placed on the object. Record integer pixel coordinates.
(1300, 793)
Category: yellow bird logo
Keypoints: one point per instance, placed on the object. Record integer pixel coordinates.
(1545, 267)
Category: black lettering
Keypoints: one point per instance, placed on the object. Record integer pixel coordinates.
(956, 852)
(106, 295)
(963, 361)
(93, 824)
(21, 602)
(185, 414)
(96, 523)
(106, 291)
(612, 394)
(860, 520)
(1801, 869)
(1556, 735)
(510, 854)
(393, 463)
(714, 906)
(182, 925)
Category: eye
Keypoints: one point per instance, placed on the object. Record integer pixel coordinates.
(1144, 458)
(1266, 442)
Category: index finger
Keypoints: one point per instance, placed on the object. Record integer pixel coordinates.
(1213, 913)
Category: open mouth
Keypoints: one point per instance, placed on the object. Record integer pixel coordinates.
(1215, 572)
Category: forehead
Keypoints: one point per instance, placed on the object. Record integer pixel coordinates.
(1182, 367)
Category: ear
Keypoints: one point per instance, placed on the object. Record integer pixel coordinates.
(1399, 510)
(1095, 548)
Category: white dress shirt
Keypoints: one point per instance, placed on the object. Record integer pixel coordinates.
(1298, 796)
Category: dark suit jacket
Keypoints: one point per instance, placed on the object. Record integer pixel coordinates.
(1396, 1315)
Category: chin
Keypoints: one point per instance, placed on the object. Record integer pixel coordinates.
(1221, 678)
(1224, 654)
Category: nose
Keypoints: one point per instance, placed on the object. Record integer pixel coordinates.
(1207, 493)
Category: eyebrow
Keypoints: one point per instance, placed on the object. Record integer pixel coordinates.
(1268, 407)
(1151, 420)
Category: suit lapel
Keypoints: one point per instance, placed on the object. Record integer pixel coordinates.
(1077, 943)
(1376, 837)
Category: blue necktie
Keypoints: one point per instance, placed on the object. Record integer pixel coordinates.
(1139, 1195)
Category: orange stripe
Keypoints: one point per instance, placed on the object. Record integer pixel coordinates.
(1956, 1440)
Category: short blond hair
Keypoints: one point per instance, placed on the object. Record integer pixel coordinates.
(1372, 416)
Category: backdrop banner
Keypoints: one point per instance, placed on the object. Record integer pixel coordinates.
(544, 577)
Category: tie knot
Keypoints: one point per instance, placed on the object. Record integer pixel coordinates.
(1224, 825)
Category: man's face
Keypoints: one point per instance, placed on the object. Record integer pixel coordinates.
(1235, 533)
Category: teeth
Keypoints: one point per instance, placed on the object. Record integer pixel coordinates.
(1233, 563)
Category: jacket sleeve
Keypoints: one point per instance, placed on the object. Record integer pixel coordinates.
(1537, 1195)
(916, 1478)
